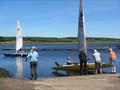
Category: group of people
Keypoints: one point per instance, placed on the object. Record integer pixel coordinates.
(33, 59)
(98, 61)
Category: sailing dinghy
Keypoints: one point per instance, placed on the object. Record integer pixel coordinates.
(81, 46)
(76, 67)
(19, 43)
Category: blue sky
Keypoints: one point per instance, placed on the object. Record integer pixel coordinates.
(59, 18)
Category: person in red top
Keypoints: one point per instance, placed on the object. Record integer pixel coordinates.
(112, 59)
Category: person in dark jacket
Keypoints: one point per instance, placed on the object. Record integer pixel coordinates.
(83, 62)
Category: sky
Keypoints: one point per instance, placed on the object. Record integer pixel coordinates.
(59, 18)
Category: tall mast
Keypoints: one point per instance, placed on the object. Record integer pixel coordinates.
(81, 30)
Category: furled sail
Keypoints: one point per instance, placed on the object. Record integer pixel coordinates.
(81, 30)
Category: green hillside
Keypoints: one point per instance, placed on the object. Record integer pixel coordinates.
(56, 40)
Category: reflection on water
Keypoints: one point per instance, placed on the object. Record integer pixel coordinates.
(19, 67)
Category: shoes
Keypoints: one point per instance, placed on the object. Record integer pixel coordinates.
(113, 72)
(33, 78)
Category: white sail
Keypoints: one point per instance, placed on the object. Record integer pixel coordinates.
(81, 30)
(19, 39)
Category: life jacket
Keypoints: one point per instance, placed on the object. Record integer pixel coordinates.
(112, 55)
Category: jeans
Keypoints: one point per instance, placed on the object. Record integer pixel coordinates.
(83, 66)
(33, 67)
(113, 62)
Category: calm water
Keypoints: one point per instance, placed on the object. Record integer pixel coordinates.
(18, 67)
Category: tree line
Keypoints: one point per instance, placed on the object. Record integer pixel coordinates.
(54, 39)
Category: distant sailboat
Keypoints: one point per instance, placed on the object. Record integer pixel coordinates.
(81, 30)
(19, 38)
(19, 43)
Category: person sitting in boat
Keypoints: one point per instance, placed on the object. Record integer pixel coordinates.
(69, 61)
(21, 51)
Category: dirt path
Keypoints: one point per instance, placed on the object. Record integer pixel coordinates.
(89, 82)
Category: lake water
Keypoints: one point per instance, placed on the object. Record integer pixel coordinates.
(19, 68)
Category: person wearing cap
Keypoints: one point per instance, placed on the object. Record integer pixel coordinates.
(69, 61)
(33, 59)
(83, 62)
(98, 62)
(112, 59)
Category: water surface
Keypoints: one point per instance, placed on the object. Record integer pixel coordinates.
(19, 68)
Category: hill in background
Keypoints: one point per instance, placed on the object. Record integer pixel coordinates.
(56, 40)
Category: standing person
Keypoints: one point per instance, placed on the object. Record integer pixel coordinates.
(83, 62)
(33, 59)
(98, 62)
(112, 59)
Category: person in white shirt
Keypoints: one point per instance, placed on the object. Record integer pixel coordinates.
(98, 62)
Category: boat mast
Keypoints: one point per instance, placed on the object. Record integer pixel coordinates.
(81, 30)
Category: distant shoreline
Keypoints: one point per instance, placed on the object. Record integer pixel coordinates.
(49, 40)
(32, 42)
(53, 42)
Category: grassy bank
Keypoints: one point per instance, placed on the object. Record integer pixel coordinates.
(56, 40)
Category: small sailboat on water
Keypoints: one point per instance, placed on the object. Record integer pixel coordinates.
(81, 46)
(19, 43)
